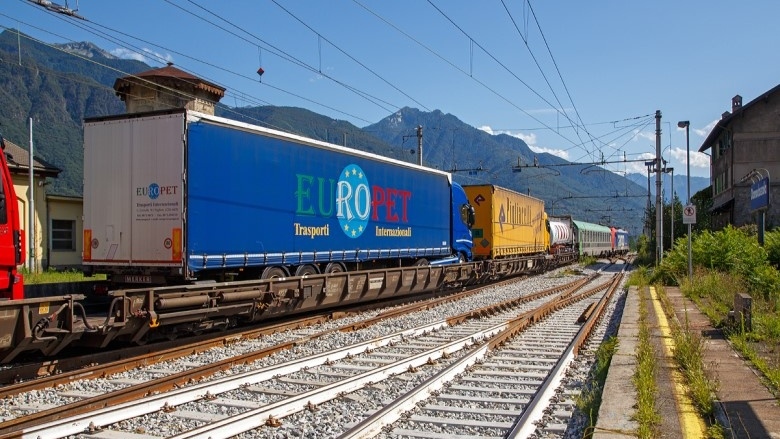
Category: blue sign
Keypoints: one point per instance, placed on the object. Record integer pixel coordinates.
(759, 194)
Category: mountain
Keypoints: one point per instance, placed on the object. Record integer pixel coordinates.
(588, 192)
(59, 86)
(57, 91)
(680, 185)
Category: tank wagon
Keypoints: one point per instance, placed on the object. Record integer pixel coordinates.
(179, 196)
(561, 235)
(508, 223)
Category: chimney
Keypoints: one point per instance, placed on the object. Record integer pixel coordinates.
(725, 115)
(736, 103)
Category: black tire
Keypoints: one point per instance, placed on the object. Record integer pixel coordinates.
(306, 270)
(421, 262)
(334, 267)
(274, 273)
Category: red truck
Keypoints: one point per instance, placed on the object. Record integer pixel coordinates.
(11, 235)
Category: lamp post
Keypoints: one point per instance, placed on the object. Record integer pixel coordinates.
(687, 125)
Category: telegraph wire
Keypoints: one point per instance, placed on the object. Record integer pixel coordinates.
(512, 74)
(244, 96)
(483, 84)
(350, 56)
(284, 55)
(539, 67)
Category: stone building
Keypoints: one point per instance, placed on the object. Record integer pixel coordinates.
(166, 88)
(745, 146)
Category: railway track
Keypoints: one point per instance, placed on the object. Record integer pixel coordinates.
(200, 395)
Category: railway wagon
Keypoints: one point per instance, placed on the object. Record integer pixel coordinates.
(592, 239)
(561, 235)
(507, 224)
(619, 241)
(179, 196)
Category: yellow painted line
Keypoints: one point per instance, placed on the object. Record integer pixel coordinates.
(691, 423)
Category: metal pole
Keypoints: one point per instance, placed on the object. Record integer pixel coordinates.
(687, 125)
(659, 207)
(31, 205)
(419, 145)
(671, 208)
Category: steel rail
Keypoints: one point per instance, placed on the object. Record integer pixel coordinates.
(372, 425)
(180, 379)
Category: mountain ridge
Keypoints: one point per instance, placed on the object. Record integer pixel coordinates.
(58, 90)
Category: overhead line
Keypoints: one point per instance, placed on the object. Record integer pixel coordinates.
(508, 71)
(284, 55)
(350, 56)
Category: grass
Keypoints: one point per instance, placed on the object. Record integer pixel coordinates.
(713, 292)
(589, 400)
(54, 276)
(689, 356)
(646, 414)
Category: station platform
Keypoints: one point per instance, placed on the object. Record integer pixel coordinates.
(745, 407)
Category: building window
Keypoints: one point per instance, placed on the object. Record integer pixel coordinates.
(63, 235)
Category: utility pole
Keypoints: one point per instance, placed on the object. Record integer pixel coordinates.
(659, 207)
(419, 145)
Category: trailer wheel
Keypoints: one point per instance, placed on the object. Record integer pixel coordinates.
(306, 270)
(334, 267)
(273, 273)
(421, 262)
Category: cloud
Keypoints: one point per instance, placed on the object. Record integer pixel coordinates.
(644, 135)
(638, 167)
(530, 140)
(698, 160)
(704, 132)
(148, 56)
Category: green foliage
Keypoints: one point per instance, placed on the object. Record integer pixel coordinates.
(54, 276)
(646, 414)
(589, 400)
(772, 246)
(733, 251)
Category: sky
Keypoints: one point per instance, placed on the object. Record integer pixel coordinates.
(581, 80)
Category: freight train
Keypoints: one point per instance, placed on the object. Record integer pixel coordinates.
(177, 196)
(201, 222)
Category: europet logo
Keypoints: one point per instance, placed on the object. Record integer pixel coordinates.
(154, 191)
(353, 201)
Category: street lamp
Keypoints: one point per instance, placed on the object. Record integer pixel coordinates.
(687, 125)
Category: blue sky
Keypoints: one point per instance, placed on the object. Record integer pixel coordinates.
(581, 80)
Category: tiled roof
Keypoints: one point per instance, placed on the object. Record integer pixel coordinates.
(19, 161)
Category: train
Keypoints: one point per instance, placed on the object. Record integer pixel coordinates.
(201, 223)
(177, 196)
